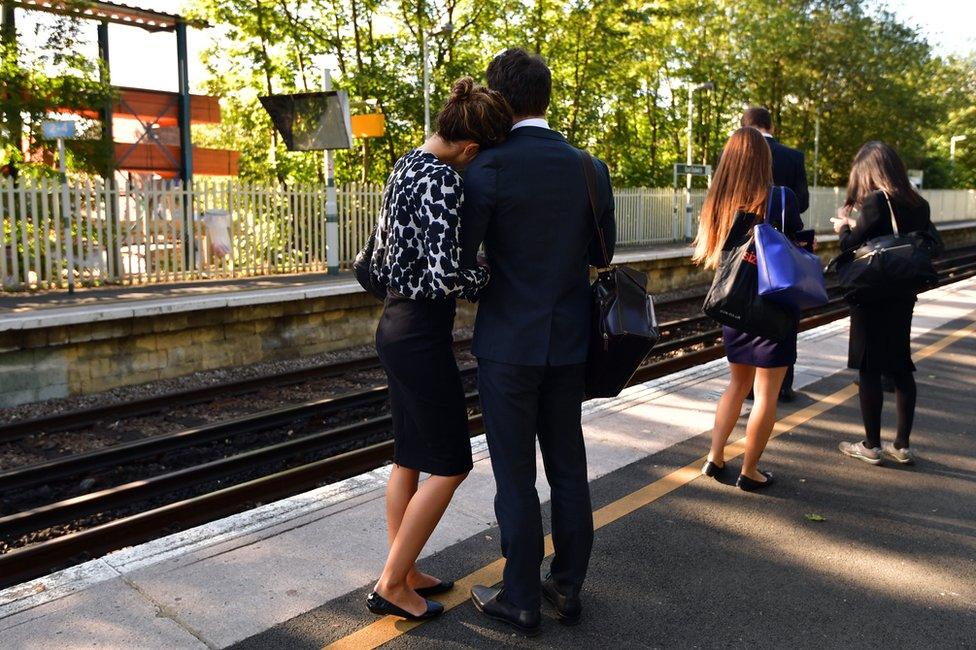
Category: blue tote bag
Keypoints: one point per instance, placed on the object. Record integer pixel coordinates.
(787, 274)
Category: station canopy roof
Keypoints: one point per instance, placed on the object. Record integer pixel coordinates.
(153, 21)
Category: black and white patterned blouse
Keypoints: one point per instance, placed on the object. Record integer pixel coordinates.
(418, 250)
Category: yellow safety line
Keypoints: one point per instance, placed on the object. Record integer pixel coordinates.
(390, 627)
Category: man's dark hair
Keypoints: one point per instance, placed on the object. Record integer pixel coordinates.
(757, 117)
(524, 79)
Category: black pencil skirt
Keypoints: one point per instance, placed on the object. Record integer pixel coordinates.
(414, 341)
(881, 336)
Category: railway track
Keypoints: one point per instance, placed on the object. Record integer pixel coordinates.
(173, 401)
(36, 559)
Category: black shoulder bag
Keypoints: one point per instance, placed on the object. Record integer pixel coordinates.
(734, 300)
(623, 328)
(890, 266)
(362, 266)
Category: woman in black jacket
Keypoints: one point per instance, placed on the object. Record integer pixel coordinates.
(880, 195)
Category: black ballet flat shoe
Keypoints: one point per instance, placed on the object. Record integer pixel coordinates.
(491, 602)
(433, 590)
(381, 606)
(569, 609)
(751, 485)
(712, 470)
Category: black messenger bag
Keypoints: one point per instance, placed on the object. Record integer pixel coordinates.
(890, 266)
(623, 328)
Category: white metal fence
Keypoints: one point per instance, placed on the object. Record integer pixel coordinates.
(157, 233)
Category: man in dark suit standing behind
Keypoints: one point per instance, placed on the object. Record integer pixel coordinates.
(526, 200)
(788, 170)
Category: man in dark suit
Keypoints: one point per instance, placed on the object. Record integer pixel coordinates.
(788, 170)
(526, 201)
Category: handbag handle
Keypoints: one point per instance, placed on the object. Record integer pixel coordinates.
(782, 200)
(589, 173)
(891, 212)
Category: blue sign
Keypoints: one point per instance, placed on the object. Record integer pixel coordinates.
(58, 129)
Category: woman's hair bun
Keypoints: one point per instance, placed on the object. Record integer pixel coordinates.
(462, 89)
(474, 112)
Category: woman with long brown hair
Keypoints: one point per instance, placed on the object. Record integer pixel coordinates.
(879, 193)
(738, 199)
(418, 258)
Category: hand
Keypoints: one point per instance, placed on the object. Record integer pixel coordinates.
(842, 219)
(483, 261)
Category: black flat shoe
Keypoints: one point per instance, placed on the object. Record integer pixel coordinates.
(381, 606)
(491, 602)
(712, 470)
(433, 590)
(569, 610)
(787, 395)
(751, 485)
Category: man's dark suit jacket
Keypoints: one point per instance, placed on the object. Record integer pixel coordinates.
(789, 170)
(526, 200)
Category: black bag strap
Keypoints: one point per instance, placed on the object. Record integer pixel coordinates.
(891, 213)
(589, 173)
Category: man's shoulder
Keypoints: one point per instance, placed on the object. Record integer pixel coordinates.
(520, 146)
(776, 145)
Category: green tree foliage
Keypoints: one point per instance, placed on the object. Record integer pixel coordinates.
(621, 69)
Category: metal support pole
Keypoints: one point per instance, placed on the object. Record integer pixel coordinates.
(108, 137)
(186, 143)
(426, 84)
(331, 204)
(688, 233)
(691, 108)
(66, 215)
(675, 228)
(816, 150)
(8, 37)
(105, 76)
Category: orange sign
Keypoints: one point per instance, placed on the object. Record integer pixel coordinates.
(370, 125)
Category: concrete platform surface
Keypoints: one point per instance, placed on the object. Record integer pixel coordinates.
(702, 565)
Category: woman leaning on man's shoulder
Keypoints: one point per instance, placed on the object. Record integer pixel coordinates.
(418, 258)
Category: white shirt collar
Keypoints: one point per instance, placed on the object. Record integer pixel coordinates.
(771, 137)
(532, 121)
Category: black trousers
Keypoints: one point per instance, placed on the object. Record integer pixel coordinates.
(520, 404)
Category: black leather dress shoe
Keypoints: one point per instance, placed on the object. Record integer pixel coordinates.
(433, 590)
(491, 602)
(379, 605)
(568, 608)
(712, 470)
(787, 395)
(751, 485)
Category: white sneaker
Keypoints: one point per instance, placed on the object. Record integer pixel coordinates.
(903, 456)
(859, 451)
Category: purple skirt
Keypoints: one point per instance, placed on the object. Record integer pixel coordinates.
(752, 350)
